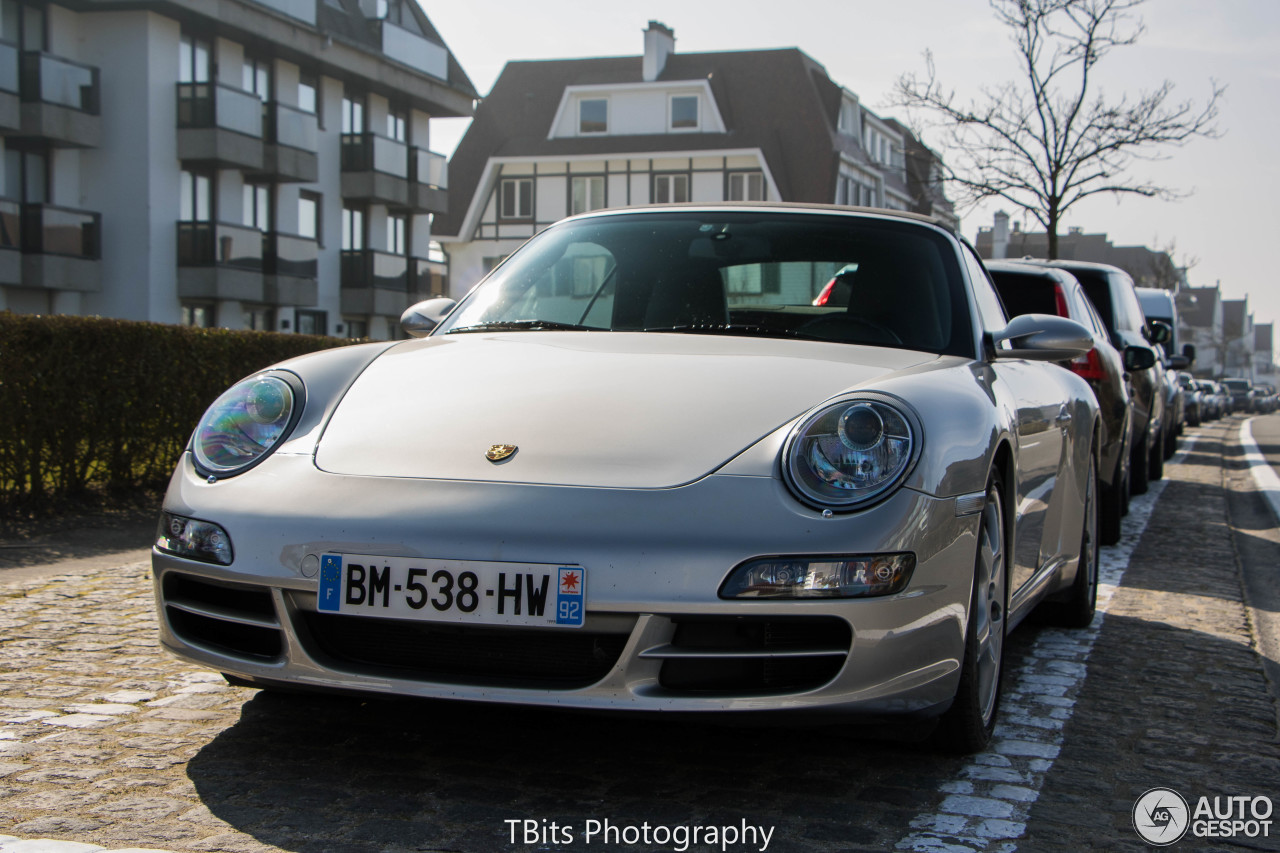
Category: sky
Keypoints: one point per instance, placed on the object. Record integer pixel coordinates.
(1225, 226)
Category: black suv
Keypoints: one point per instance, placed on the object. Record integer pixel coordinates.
(1112, 293)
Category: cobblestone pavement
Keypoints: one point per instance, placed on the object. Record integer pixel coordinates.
(106, 742)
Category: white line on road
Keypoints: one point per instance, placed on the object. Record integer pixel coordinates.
(1264, 476)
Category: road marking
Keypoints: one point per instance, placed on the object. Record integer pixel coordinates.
(1264, 476)
(989, 801)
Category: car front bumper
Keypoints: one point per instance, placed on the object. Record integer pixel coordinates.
(657, 636)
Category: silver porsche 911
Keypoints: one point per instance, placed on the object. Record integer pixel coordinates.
(683, 458)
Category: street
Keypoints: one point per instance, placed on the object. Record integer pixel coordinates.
(109, 742)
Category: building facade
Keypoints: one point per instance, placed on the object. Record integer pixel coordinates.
(259, 164)
(559, 137)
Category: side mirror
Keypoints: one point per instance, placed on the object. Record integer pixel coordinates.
(1160, 332)
(418, 320)
(1179, 362)
(1189, 350)
(1139, 358)
(1042, 337)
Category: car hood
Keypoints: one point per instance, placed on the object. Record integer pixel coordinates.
(621, 410)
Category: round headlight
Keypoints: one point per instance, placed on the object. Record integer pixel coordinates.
(848, 454)
(244, 424)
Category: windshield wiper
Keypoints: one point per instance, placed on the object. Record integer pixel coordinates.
(524, 326)
(745, 329)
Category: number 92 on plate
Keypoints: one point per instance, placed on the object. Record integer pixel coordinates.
(483, 593)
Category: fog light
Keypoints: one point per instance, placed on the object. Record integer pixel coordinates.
(193, 539)
(858, 576)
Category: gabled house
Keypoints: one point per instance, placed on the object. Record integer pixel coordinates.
(1200, 322)
(560, 137)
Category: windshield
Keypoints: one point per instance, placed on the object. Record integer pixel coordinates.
(777, 274)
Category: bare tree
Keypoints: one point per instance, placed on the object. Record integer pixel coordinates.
(1045, 141)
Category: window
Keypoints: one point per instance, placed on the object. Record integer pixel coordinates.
(854, 191)
(684, 112)
(308, 93)
(26, 175)
(193, 60)
(670, 188)
(352, 115)
(257, 77)
(746, 186)
(23, 25)
(198, 314)
(990, 308)
(848, 122)
(356, 328)
(312, 323)
(587, 193)
(396, 124)
(593, 115)
(395, 234)
(195, 197)
(309, 215)
(517, 199)
(490, 262)
(257, 206)
(352, 228)
(259, 318)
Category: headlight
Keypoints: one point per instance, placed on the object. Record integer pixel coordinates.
(861, 576)
(849, 454)
(245, 423)
(193, 539)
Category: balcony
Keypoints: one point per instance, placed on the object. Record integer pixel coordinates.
(375, 282)
(59, 100)
(61, 247)
(375, 169)
(220, 126)
(293, 137)
(218, 260)
(291, 263)
(428, 181)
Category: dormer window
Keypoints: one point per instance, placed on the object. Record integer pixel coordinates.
(684, 112)
(593, 115)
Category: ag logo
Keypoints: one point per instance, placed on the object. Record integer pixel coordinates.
(1161, 816)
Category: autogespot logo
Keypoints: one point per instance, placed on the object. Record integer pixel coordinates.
(1161, 816)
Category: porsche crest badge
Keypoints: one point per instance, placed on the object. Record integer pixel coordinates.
(498, 452)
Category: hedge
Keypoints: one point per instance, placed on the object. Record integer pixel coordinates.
(89, 403)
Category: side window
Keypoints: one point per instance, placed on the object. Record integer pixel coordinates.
(1128, 309)
(990, 309)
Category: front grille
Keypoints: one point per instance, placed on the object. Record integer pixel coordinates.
(752, 655)
(548, 658)
(228, 618)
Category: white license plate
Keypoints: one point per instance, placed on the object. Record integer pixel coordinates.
(541, 594)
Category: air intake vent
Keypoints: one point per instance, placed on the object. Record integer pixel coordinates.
(752, 655)
(226, 618)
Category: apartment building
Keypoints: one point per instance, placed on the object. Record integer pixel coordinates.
(561, 137)
(250, 164)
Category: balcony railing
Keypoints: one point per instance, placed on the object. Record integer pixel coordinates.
(364, 268)
(288, 254)
(10, 224)
(429, 168)
(218, 105)
(293, 127)
(9, 68)
(369, 152)
(422, 284)
(49, 79)
(205, 244)
(50, 230)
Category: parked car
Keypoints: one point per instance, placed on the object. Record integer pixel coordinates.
(1241, 393)
(1193, 398)
(1159, 306)
(1112, 293)
(635, 468)
(1028, 289)
(1265, 397)
(1211, 399)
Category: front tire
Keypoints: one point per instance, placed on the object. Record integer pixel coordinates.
(967, 725)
